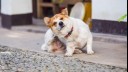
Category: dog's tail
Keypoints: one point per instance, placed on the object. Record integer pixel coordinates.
(89, 21)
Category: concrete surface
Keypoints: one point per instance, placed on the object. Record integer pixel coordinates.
(106, 53)
(0, 22)
(41, 28)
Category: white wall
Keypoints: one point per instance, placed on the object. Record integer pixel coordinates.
(109, 9)
(12, 7)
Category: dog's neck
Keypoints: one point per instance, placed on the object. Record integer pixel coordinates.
(69, 33)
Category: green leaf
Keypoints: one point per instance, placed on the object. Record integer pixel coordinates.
(122, 18)
(60, 1)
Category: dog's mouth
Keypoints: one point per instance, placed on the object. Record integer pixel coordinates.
(60, 28)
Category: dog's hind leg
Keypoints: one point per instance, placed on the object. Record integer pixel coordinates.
(77, 51)
(47, 46)
(48, 38)
(44, 47)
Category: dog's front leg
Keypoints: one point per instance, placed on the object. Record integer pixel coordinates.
(89, 46)
(70, 49)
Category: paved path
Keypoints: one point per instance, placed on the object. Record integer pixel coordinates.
(107, 53)
(0, 22)
(97, 36)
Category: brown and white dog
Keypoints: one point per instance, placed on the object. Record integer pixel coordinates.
(67, 33)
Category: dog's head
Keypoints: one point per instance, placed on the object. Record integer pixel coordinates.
(60, 23)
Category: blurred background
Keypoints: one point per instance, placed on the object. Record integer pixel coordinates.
(101, 15)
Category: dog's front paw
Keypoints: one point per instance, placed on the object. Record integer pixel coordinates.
(90, 52)
(68, 55)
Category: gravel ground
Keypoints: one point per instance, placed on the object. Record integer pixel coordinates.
(17, 60)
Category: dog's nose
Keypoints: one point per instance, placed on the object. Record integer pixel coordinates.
(61, 24)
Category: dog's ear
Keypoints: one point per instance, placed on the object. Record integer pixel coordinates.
(46, 20)
(64, 11)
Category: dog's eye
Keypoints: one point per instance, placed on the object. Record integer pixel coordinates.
(54, 23)
(61, 18)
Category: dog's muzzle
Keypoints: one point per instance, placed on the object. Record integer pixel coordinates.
(60, 25)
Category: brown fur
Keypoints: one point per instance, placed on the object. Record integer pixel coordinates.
(57, 45)
(50, 21)
(60, 16)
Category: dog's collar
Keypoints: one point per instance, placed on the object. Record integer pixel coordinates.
(69, 33)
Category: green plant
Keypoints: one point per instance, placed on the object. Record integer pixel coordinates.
(122, 18)
(60, 1)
